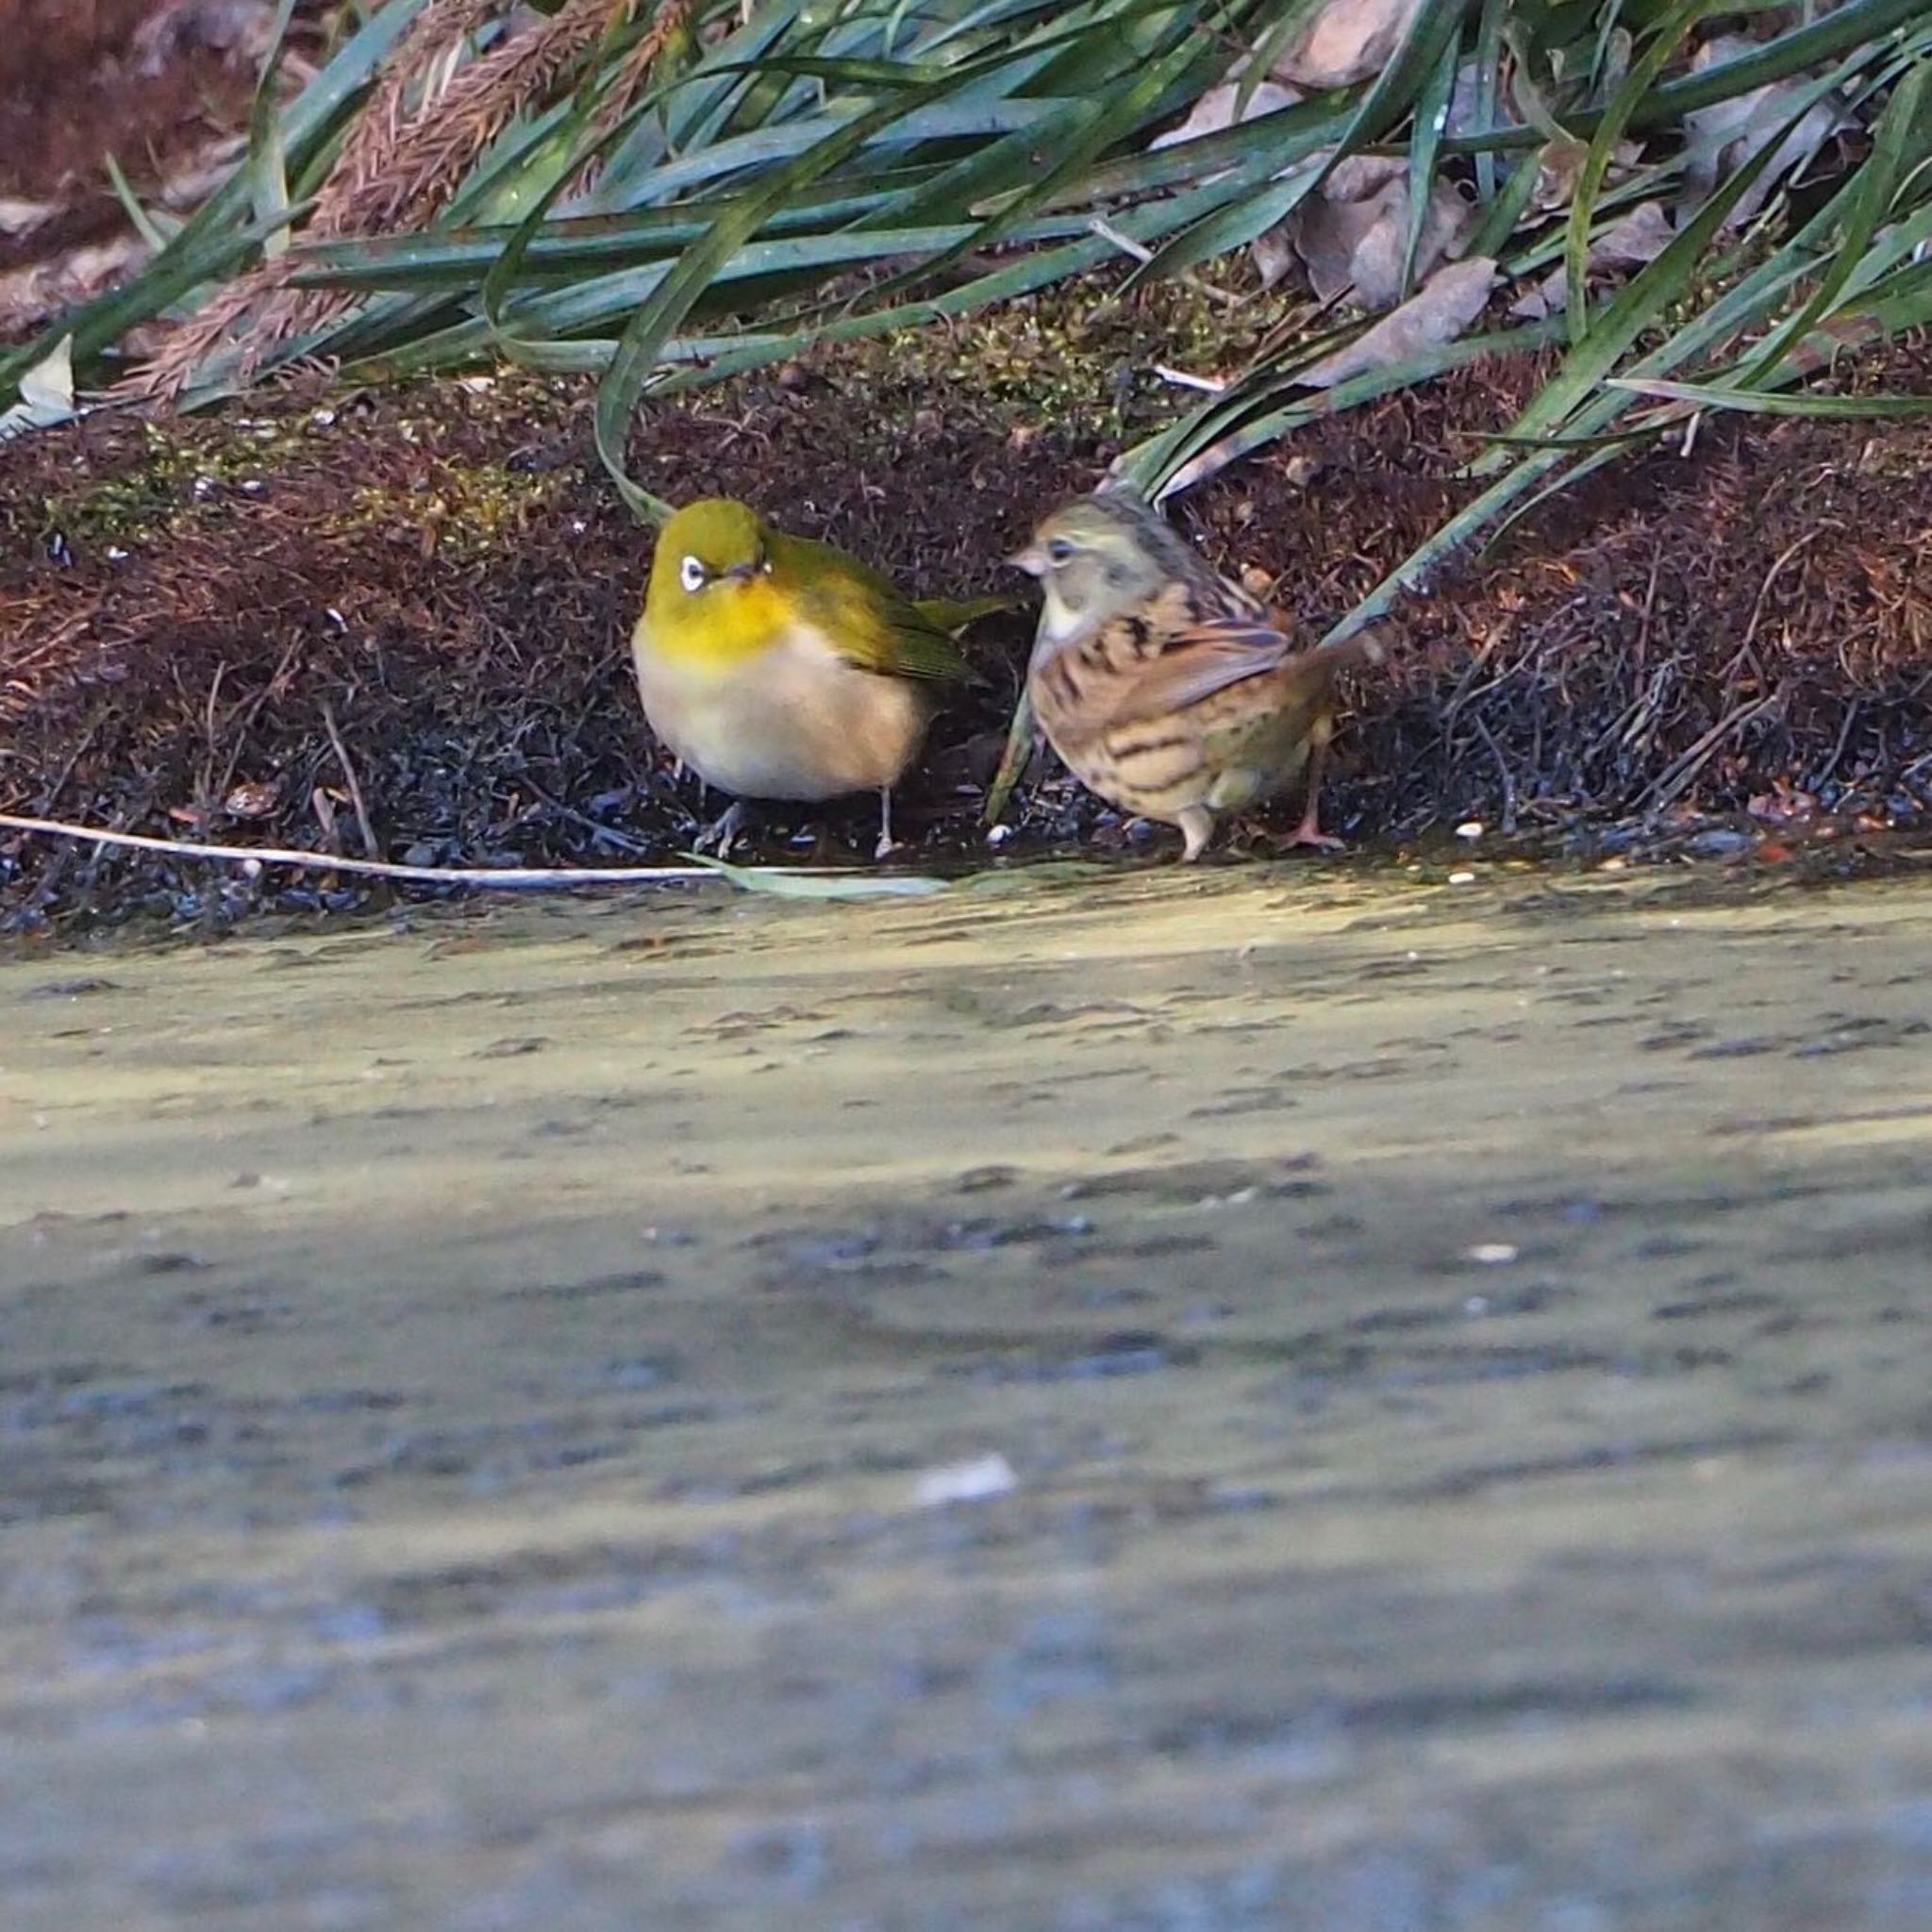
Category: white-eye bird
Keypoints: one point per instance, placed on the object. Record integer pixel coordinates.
(777, 667)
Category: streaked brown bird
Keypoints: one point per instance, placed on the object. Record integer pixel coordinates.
(1163, 687)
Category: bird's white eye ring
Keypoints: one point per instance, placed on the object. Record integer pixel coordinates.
(693, 574)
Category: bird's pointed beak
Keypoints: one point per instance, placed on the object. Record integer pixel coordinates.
(1032, 561)
(739, 573)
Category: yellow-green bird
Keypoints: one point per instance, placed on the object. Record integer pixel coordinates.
(776, 667)
(1163, 687)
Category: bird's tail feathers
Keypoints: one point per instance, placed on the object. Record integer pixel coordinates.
(953, 614)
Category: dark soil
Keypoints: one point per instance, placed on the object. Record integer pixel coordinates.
(444, 575)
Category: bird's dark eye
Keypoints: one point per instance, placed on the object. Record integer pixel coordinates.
(1059, 551)
(693, 574)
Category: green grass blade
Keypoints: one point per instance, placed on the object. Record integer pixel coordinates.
(1022, 277)
(1275, 42)
(1387, 102)
(1862, 23)
(1080, 127)
(637, 352)
(1900, 143)
(1759, 402)
(1489, 92)
(267, 161)
(145, 225)
(1155, 471)
(784, 883)
(1669, 35)
(1431, 122)
(1611, 329)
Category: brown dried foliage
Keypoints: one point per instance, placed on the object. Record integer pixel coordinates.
(404, 162)
(81, 75)
(159, 88)
(673, 18)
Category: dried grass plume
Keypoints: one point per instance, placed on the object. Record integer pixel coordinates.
(427, 119)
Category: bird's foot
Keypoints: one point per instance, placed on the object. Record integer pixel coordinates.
(1197, 827)
(1309, 833)
(722, 832)
(887, 844)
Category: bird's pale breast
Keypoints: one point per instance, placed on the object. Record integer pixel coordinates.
(796, 722)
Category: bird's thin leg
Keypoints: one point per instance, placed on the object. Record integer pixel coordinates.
(718, 836)
(1197, 827)
(886, 844)
(1309, 831)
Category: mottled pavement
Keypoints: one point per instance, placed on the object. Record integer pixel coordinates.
(1462, 1356)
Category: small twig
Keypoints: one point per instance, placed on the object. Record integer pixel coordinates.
(1507, 817)
(67, 770)
(324, 813)
(207, 799)
(1680, 776)
(1140, 252)
(239, 737)
(370, 847)
(621, 839)
(1211, 385)
(1657, 562)
(1837, 751)
(1125, 243)
(258, 857)
(1771, 577)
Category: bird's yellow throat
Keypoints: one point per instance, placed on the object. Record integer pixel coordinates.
(719, 628)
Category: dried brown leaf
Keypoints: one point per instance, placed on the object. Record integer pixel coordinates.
(1346, 42)
(1641, 236)
(20, 217)
(1438, 313)
(1720, 139)
(399, 170)
(1222, 108)
(238, 30)
(1353, 234)
(33, 295)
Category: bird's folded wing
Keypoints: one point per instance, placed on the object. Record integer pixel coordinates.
(953, 614)
(872, 624)
(1194, 663)
(919, 648)
(878, 629)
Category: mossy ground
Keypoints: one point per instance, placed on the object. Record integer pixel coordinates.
(192, 613)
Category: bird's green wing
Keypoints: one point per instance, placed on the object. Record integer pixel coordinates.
(869, 620)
